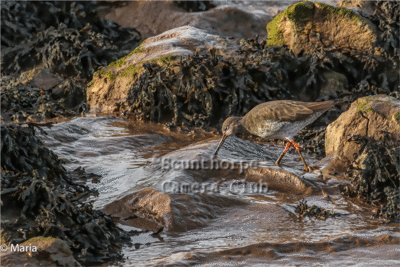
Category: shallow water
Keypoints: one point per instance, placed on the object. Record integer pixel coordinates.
(123, 153)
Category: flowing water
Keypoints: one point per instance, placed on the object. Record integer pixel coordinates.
(264, 228)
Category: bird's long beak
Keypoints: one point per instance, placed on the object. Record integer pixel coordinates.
(220, 143)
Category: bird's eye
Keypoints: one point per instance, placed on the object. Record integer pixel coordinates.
(226, 128)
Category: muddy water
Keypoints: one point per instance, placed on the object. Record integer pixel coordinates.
(128, 155)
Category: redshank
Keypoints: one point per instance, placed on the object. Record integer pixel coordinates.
(281, 119)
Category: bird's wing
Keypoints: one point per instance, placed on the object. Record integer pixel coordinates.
(282, 111)
(278, 111)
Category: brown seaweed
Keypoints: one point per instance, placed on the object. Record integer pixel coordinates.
(314, 211)
(375, 176)
(195, 6)
(66, 37)
(40, 198)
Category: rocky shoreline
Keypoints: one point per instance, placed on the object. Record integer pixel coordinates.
(68, 61)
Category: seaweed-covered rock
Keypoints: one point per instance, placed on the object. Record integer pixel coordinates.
(39, 251)
(66, 37)
(39, 198)
(372, 116)
(375, 175)
(306, 25)
(207, 85)
(38, 94)
(335, 85)
(109, 91)
(175, 212)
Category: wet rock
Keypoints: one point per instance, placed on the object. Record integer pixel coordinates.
(39, 198)
(372, 116)
(306, 25)
(40, 251)
(42, 78)
(276, 252)
(279, 180)
(174, 212)
(225, 21)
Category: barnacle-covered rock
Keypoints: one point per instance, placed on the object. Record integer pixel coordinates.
(40, 199)
(371, 116)
(174, 212)
(39, 251)
(306, 25)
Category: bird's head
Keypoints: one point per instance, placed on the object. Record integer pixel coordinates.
(231, 126)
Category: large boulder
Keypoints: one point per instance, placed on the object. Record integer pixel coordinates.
(152, 18)
(371, 116)
(110, 86)
(174, 212)
(306, 25)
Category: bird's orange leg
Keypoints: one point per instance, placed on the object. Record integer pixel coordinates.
(297, 147)
(288, 145)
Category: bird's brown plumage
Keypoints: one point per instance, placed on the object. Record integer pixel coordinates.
(283, 110)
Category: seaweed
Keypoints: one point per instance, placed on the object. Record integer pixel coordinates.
(314, 211)
(23, 100)
(202, 89)
(66, 37)
(39, 198)
(312, 141)
(375, 175)
(195, 6)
